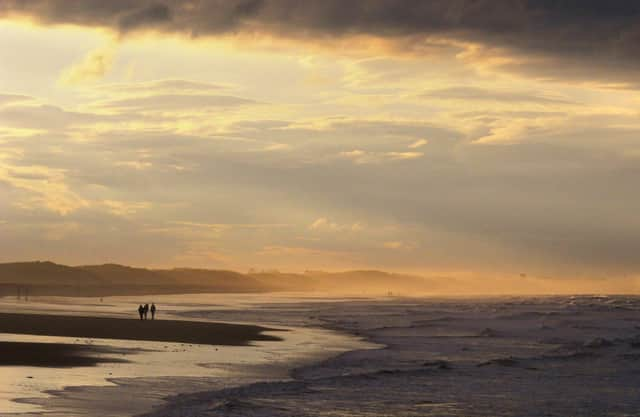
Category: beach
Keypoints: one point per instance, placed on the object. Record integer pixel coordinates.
(359, 356)
(69, 357)
(178, 331)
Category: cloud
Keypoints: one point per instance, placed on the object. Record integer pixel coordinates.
(218, 227)
(539, 201)
(161, 87)
(153, 14)
(561, 194)
(92, 68)
(301, 256)
(60, 231)
(418, 144)
(260, 124)
(13, 98)
(45, 116)
(393, 245)
(362, 157)
(481, 94)
(324, 224)
(124, 208)
(137, 165)
(166, 102)
(524, 35)
(44, 188)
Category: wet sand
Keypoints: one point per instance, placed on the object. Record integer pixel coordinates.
(57, 355)
(178, 331)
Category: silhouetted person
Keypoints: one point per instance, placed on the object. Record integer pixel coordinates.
(146, 311)
(141, 311)
(153, 311)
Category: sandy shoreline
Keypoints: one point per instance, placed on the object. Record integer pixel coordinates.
(193, 332)
(148, 370)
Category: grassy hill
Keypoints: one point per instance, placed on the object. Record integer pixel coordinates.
(46, 273)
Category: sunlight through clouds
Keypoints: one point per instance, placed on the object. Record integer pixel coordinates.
(390, 140)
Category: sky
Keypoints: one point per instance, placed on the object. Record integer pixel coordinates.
(458, 137)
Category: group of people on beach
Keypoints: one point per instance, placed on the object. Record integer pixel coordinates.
(143, 310)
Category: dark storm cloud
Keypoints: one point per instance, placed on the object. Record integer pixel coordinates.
(573, 32)
(154, 14)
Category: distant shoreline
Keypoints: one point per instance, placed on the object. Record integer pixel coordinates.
(175, 331)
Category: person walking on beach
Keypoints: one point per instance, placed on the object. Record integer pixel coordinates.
(141, 311)
(146, 311)
(153, 311)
